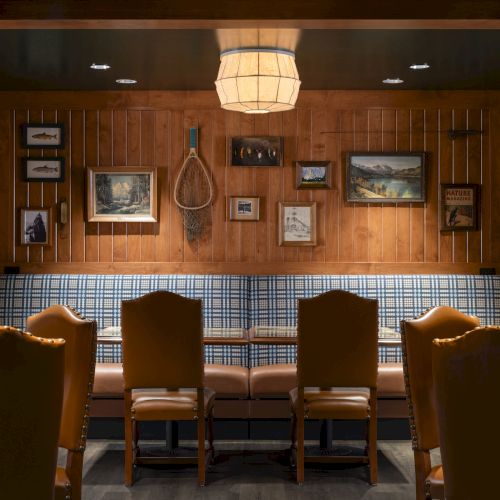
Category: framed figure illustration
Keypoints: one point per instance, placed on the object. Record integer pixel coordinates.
(35, 226)
(459, 207)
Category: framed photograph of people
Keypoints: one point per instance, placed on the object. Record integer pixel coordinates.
(297, 223)
(43, 135)
(313, 174)
(244, 208)
(256, 151)
(35, 226)
(385, 177)
(459, 207)
(38, 169)
(121, 194)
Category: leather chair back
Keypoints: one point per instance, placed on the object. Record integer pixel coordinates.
(79, 367)
(162, 341)
(466, 373)
(31, 385)
(337, 340)
(417, 335)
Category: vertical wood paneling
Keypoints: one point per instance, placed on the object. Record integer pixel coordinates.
(6, 186)
(105, 157)
(91, 159)
(133, 160)
(148, 139)
(347, 232)
(389, 211)
(162, 160)
(119, 159)
(403, 213)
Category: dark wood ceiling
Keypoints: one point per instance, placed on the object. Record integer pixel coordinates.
(187, 59)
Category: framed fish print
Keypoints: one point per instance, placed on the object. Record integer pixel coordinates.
(40, 169)
(121, 194)
(36, 226)
(43, 135)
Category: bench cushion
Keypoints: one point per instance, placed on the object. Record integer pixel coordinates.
(275, 381)
(227, 381)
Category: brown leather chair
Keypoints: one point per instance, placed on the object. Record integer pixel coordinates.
(466, 373)
(79, 367)
(31, 385)
(416, 338)
(163, 352)
(337, 361)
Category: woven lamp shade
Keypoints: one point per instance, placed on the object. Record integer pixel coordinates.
(257, 80)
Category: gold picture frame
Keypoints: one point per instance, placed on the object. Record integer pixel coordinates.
(297, 223)
(121, 194)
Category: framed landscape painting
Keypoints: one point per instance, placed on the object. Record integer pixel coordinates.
(121, 194)
(459, 207)
(313, 174)
(385, 177)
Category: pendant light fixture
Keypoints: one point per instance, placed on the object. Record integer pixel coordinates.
(257, 80)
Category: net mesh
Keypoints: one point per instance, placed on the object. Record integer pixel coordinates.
(193, 195)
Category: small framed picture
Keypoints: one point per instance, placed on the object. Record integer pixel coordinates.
(385, 177)
(256, 151)
(43, 135)
(121, 194)
(297, 223)
(43, 169)
(459, 207)
(36, 226)
(244, 208)
(313, 174)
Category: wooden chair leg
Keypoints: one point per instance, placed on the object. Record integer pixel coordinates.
(74, 470)
(293, 432)
(211, 435)
(201, 437)
(372, 438)
(300, 436)
(422, 469)
(129, 431)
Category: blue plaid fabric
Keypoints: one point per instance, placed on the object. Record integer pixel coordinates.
(98, 297)
(273, 301)
(244, 301)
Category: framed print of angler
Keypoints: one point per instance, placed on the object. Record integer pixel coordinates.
(313, 174)
(244, 208)
(385, 177)
(43, 135)
(256, 151)
(43, 169)
(459, 207)
(121, 194)
(35, 226)
(297, 223)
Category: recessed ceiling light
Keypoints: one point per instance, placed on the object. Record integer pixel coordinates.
(393, 81)
(126, 81)
(100, 66)
(420, 66)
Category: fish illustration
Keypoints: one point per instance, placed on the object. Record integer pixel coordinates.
(44, 136)
(46, 169)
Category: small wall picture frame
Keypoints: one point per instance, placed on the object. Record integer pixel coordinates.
(244, 208)
(43, 135)
(460, 207)
(297, 223)
(313, 174)
(35, 226)
(256, 151)
(43, 169)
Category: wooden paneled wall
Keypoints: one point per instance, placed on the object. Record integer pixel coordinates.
(152, 129)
